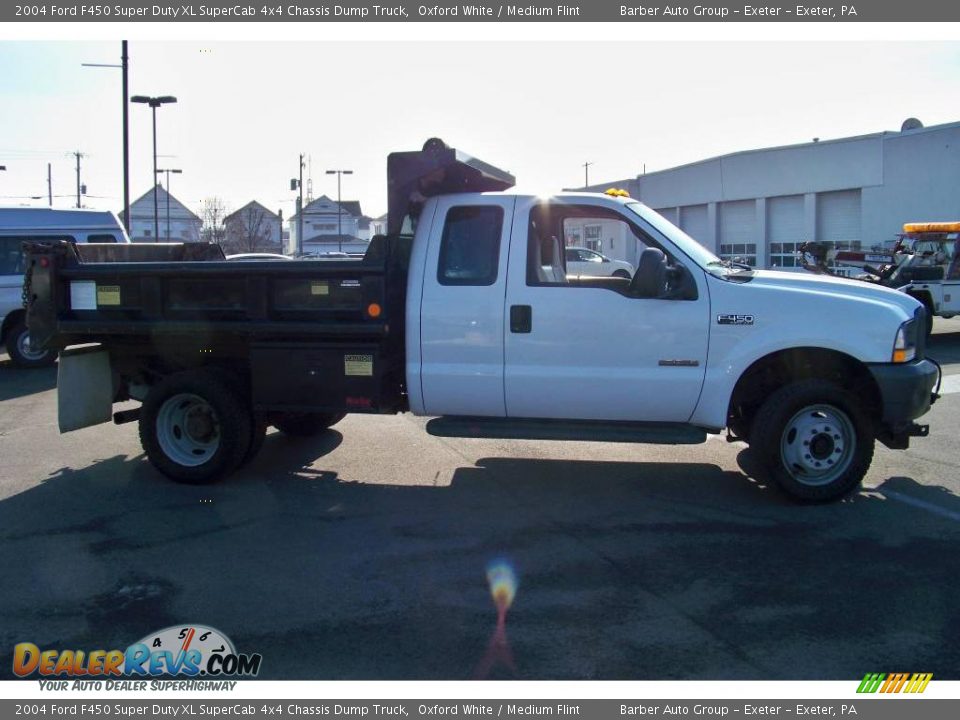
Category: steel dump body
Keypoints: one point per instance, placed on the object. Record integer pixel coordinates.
(284, 325)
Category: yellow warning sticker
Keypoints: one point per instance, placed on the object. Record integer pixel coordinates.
(319, 287)
(108, 294)
(361, 365)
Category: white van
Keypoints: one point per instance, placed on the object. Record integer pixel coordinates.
(20, 224)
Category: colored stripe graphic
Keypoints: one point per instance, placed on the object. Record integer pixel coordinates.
(870, 683)
(894, 682)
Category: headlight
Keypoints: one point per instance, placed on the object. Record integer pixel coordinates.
(905, 344)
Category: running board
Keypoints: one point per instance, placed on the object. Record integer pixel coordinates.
(588, 430)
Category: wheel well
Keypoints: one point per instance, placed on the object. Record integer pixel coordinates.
(773, 371)
(11, 319)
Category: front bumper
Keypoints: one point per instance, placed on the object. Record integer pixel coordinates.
(906, 392)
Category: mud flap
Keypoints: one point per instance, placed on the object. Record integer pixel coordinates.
(84, 388)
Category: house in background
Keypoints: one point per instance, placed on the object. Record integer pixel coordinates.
(378, 225)
(324, 232)
(176, 222)
(253, 228)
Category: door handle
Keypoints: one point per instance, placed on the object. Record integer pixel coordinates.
(521, 318)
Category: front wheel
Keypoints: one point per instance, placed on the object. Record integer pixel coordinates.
(22, 353)
(195, 428)
(621, 274)
(814, 439)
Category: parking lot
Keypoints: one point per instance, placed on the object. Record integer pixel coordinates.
(362, 553)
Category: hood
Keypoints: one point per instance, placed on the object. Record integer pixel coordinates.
(829, 285)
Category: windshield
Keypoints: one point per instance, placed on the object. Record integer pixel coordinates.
(697, 252)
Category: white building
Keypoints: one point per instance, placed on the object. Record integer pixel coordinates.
(324, 232)
(856, 192)
(176, 222)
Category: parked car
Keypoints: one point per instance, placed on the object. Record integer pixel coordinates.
(258, 256)
(20, 224)
(581, 261)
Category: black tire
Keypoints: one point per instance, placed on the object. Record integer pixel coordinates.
(258, 433)
(221, 433)
(18, 347)
(621, 274)
(307, 424)
(928, 322)
(838, 453)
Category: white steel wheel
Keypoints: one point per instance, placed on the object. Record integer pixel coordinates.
(196, 425)
(814, 438)
(817, 445)
(188, 429)
(22, 353)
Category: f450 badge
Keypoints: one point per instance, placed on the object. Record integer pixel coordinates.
(734, 319)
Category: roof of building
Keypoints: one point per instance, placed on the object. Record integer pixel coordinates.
(162, 194)
(256, 206)
(316, 207)
(818, 143)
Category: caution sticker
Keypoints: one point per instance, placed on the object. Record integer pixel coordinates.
(358, 365)
(108, 295)
(319, 287)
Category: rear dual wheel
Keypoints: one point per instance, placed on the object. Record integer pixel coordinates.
(196, 427)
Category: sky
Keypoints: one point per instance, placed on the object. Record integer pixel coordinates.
(246, 110)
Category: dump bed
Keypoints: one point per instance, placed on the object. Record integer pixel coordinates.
(304, 335)
(83, 293)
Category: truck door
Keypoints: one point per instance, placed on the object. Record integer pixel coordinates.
(581, 348)
(461, 307)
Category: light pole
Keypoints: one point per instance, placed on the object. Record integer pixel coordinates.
(124, 66)
(175, 172)
(154, 103)
(338, 173)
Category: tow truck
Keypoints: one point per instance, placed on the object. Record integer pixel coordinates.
(924, 263)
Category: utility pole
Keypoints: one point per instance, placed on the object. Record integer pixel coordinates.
(50, 184)
(300, 210)
(586, 174)
(338, 173)
(125, 67)
(78, 155)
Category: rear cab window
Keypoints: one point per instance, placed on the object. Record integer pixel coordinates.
(470, 245)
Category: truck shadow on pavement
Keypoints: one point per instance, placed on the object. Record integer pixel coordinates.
(625, 570)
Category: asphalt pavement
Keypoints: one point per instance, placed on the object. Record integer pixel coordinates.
(363, 553)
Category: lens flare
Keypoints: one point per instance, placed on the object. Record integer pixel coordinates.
(503, 588)
(503, 583)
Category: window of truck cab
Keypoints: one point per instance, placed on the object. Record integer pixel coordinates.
(470, 245)
(601, 226)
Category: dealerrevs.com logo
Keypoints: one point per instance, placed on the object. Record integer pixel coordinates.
(180, 650)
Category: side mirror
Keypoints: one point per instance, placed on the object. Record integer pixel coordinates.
(681, 285)
(650, 279)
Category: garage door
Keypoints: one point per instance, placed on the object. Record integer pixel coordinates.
(838, 217)
(738, 231)
(784, 229)
(669, 213)
(693, 221)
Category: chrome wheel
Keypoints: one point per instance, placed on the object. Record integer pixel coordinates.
(818, 445)
(188, 430)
